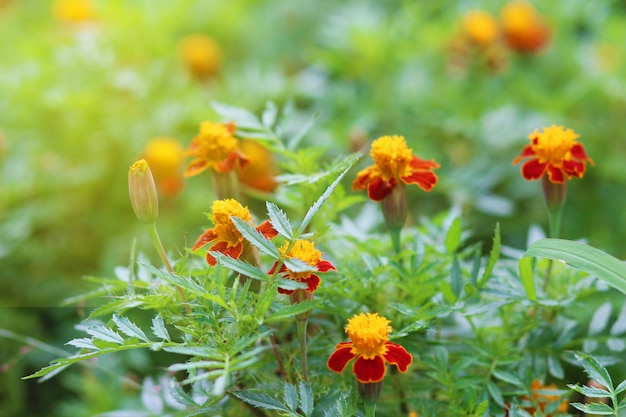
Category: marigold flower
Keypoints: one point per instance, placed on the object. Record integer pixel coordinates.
(481, 27)
(75, 11)
(555, 152)
(227, 239)
(394, 162)
(524, 29)
(370, 346)
(201, 55)
(542, 400)
(165, 157)
(215, 147)
(142, 192)
(260, 172)
(305, 251)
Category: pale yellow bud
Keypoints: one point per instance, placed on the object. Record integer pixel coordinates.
(142, 191)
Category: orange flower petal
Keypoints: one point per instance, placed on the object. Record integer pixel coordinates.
(267, 230)
(533, 169)
(204, 238)
(195, 167)
(426, 180)
(324, 266)
(340, 357)
(527, 152)
(379, 189)
(398, 355)
(369, 370)
(222, 247)
(555, 174)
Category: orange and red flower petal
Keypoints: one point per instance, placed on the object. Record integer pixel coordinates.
(224, 248)
(379, 188)
(340, 357)
(267, 230)
(325, 266)
(398, 355)
(578, 152)
(233, 159)
(369, 370)
(555, 174)
(527, 152)
(206, 237)
(574, 168)
(195, 167)
(364, 177)
(426, 180)
(533, 169)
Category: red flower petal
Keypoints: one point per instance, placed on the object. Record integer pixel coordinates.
(222, 247)
(379, 189)
(324, 266)
(533, 170)
(555, 174)
(397, 355)
(284, 291)
(195, 167)
(426, 180)
(369, 370)
(340, 357)
(574, 168)
(204, 238)
(527, 152)
(422, 164)
(364, 177)
(267, 230)
(578, 152)
(231, 160)
(312, 282)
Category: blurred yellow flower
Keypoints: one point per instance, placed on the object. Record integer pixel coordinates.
(481, 27)
(523, 28)
(201, 55)
(75, 11)
(260, 172)
(165, 157)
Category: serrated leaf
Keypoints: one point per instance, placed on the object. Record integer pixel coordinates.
(179, 394)
(527, 278)
(621, 387)
(255, 237)
(241, 267)
(584, 258)
(453, 237)
(590, 391)
(320, 201)
(594, 408)
(600, 318)
(83, 343)
(306, 398)
(260, 400)
(290, 396)
(290, 284)
(159, 329)
(129, 328)
(494, 255)
(106, 334)
(242, 117)
(594, 369)
(279, 220)
(298, 265)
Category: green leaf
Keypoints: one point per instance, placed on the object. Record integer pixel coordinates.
(255, 237)
(306, 398)
(320, 201)
(242, 117)
(242, 267)
(590, 391)
(103, 333)
(594, 369)
(494, 255)
(159, 329)
(600, 318)
(507, 377)
(527, 278)
(621, 387)
(260, 400)
(495, 393)
(453, 238)
(304, 128)
(268, 117)
(298, 265)
(456, 277)
(584, 258)
(290, 396)
(279, 220)
(291, 310)
(129, 328)
(594, 408)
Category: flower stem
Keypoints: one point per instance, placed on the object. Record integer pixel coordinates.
(370, 408)
(302, 336)
(395, 240)
(225, 185)
(156, 241)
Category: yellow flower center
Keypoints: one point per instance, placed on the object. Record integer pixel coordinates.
(224, 227)
(481, 27)
(306, 252)
(392, 156)
(554, 144)
(215, 142)
(368, 333)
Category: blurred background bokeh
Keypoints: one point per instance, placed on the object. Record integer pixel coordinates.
(87, 87)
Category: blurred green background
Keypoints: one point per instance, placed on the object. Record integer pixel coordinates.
(85, 85)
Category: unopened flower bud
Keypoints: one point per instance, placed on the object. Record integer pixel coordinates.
(142, 191)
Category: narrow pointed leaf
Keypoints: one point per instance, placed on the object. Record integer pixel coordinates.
(279, 220)
(494, 255)
(159, 329)
(527, 278)
(129, 328)
(255, 238)
(103, 333)
(260, 400)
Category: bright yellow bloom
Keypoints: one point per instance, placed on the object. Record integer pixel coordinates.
(201, 55)
(370, 346)
(165, 157)
(228, 240)
(394, 163)
(76, 11)
(481, 27)
(215, 147)
(305, 251)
